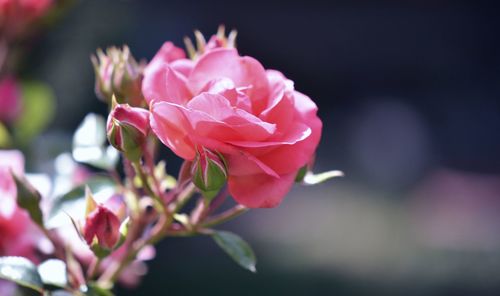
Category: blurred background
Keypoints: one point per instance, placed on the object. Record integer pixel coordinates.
(409, 94)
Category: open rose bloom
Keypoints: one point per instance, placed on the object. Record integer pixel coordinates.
(242, 131)
(263, 127)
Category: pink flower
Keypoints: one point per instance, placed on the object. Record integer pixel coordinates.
(16, 15)
(18, 235)
(262, 126)
(10, 99)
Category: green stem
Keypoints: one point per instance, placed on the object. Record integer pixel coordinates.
(224, 216)
(145, 184)
(158, 232)
(93, 268)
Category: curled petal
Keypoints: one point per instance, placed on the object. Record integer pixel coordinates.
(167, 54)
(243, 71)
(163, 83)
(172, 128)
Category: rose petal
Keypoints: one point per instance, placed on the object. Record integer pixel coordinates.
(289, 158)
(212, 116)
(183, 66)
(260, 190)
(163, 83)
(172, 128)
(296, 133)
(244, 164)
(167, 54)
(243, 71)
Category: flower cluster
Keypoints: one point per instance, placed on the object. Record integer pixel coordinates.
(242, 131)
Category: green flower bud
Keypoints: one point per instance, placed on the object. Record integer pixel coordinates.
(209, 172)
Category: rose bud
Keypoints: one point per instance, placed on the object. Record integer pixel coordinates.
(209, 172)
(102, 227)
(127, 129)
(118, 73)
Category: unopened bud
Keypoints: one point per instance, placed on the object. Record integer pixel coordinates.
(118, 73)
(127, 129)
(101, 229)
(29, 199)
(209, 172)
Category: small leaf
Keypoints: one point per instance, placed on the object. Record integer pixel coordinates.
(124, 228)
(29, 198)
(313, 179)
(21, 271)
(73, 202)
(236, 248)
(301, 174)
(5, 139)
(183, 219)
(89, 143)
(53, 273)
(90, 203)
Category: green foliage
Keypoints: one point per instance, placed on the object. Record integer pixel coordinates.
(29, 198)
(53, 273)
(5, 138)
(22, 272)
(89, 144)
(94, 290)
(239, 250)
(38, 111)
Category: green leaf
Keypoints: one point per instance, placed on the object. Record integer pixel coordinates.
(21, 271)
(313, 179)
(94, 290)
(5, 139)
(53, 273)
(301, 174)
(38, 110)
(239, 250)
(29, 198)
(89, 144)
(73, 202)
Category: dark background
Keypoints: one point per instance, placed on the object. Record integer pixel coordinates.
(410, 99)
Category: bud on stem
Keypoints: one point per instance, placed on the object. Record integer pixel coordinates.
(101, 231)
(127, 130)
(209, 172)
(118, 73)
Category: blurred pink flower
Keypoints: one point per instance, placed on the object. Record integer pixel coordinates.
(458, 210)
(16, 15)
(18, 235)
(263, 127)
(10, 99)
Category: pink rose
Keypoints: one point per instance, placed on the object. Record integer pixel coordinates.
(10, 99)
(227, 103)
(18, 234)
